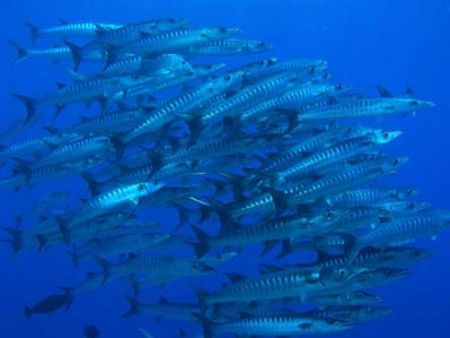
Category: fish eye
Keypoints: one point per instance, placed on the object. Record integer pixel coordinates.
(385, 135)
(342, 273)
(228, 77)
(305, 326)
(141, 187)
(395, 161)
(414, 103)
(222, 30)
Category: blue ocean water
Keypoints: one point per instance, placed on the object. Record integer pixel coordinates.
(394, 43)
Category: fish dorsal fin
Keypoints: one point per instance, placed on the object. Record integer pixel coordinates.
(51, 130)
(323, 256)
(272, 268)
(410, 92)
(132, 255)
(144, 34)
(235, 277)
(384, 92)
(101, 30)
(84, 118)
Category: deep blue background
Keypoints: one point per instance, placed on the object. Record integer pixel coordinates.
(391, 42)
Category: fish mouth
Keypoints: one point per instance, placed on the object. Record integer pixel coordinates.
(394, 134)
(339, 324)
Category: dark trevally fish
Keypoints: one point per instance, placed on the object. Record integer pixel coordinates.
(69, 29)
(51, 304)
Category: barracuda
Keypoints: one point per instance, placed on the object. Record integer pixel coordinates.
(67, 29)
(364, 108)
(183, 103)
(272, 67)
(230, 47)
(174, 40)
(265, 89)
(288, 228)
(368, 196)
(338, 182)
(108, 201)
(135, 31)
(279, 325)
(403, 230)
(351, 313)
(82, 149)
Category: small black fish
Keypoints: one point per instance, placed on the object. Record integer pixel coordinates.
(51, 304)
(91, 331)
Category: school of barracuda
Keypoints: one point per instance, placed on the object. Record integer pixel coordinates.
(271, 150)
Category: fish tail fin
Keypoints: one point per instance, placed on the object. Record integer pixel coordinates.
(42, 241)
(201, 247)
(22, 53)
(65, 231)
(28, 312)
(353, 252)
(16, 239)
(74, 257)
(104, 264)
(30, 105)
(70, 293)
(34, 31)
(133, 304)
(93, 185)
(77, 54)
(201, 299)
(207, 329)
